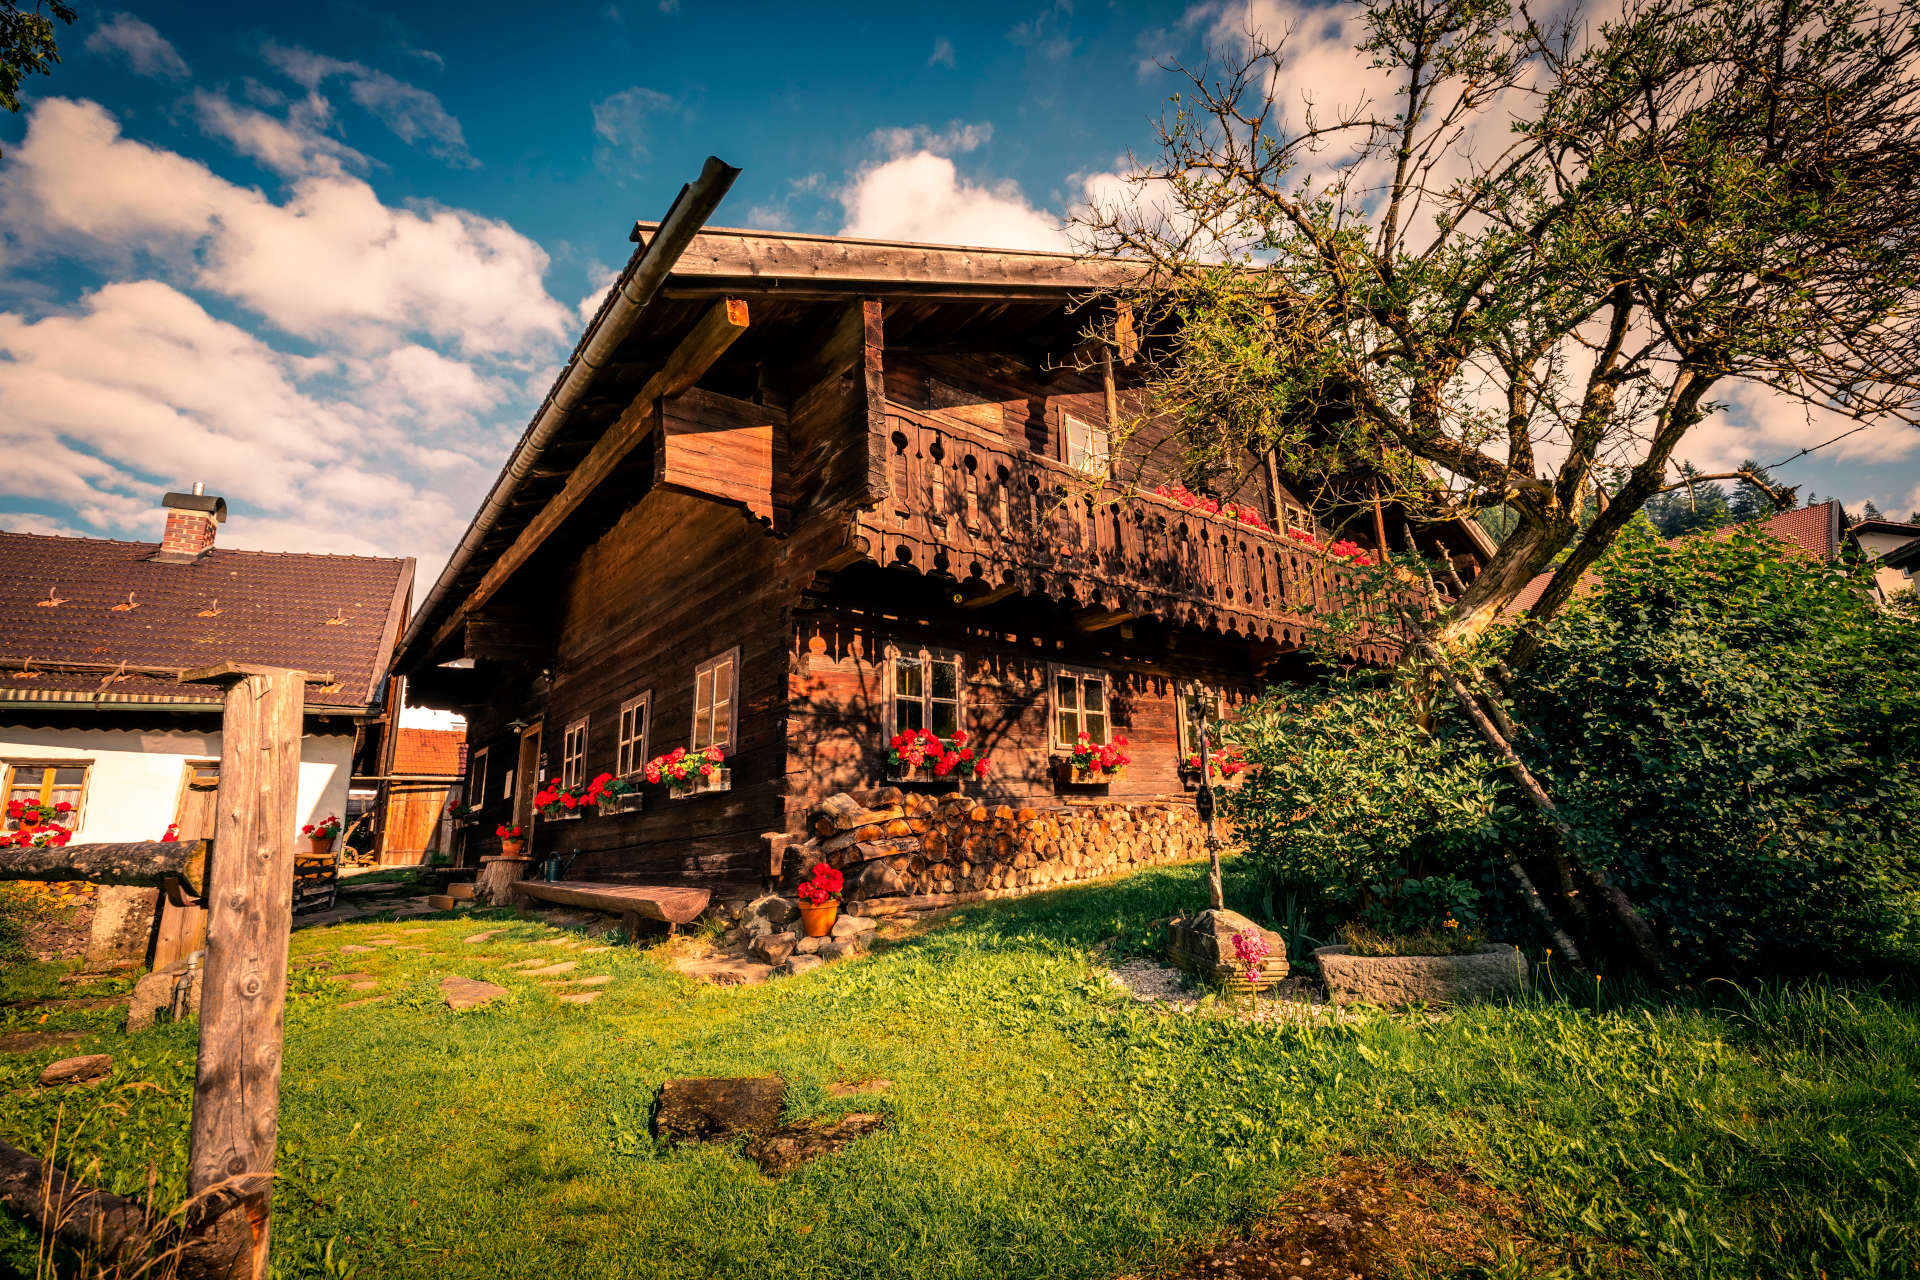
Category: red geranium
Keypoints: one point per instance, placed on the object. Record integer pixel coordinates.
(823, 888)
(510, 833)
(172, 834)
(1101, 759)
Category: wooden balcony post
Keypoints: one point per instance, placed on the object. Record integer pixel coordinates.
(236, 1091)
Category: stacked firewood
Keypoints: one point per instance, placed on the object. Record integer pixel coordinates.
(909, 843)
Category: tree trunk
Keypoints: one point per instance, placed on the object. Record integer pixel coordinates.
(1526, 553)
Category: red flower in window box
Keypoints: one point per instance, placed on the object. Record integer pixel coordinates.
(690, 773)
(921, 754)
(1098, 761)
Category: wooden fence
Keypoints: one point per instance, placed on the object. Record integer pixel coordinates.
(247, 892)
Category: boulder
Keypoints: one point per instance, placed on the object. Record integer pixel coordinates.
(469, 993)
(172, 992)
(773, 948)
(773, 908)
(849, 926)
(839, 949)
(1202, 946)
(809, 946)
(85, 1069)
(1491, 973)
(801, 964)
(708, 1109)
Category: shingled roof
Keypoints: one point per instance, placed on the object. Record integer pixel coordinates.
(439, 752)
(73, 610)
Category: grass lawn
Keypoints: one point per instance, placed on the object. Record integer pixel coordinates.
(1042, 1124)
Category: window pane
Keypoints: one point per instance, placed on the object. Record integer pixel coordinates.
(1066, 694)
(1093, 692)
(702, 729)
(946, 679)
(702, 692)
(64, 778)
(722, 722)
(906, 714)
(1096, 726)
(946, 718)
(1066, 726)
(723, 682)
(906, 677)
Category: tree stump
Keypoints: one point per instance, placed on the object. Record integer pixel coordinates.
(494, 886)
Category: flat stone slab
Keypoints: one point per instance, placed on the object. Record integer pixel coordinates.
(28, 1041)
(355, 1004)
(580, 997)
(357, 948)
(565, 966)
(468, 993)
(599, 980)
(725, 971)
(483, 935)
(1491, 973)
(85, 1069)
(711, 1109)
(789, 1147)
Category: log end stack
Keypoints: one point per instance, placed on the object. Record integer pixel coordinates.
(913, 845)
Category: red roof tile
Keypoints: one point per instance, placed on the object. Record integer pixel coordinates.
(434, 751)
(333, 614)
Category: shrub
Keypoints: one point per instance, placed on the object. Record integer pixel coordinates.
(1351, 797)
(1733, 730)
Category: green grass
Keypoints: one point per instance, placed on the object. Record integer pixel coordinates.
(1041, 1124)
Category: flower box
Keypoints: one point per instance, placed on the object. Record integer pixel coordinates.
(720, 780)
(564, 815)
(631, 802)
(921, 756)
(1074, 775)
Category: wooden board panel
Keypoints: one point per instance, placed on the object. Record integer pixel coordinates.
(671, 904)
(728, 449)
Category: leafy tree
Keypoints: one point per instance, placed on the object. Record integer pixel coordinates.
(27, 45)
(1750, 502)
(1694, 506)
(1546, 253)
(1869, 511)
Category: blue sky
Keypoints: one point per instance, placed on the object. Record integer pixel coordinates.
(328, 258)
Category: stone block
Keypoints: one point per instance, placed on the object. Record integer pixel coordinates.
(848, 926)
(774, 948)
(801, 964)
(1494, 972)
(1202, 945)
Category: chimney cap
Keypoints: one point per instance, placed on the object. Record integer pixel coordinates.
(203, 503)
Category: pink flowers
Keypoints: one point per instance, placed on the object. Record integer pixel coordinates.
(1344, 549)
(1227, 762)
(171, 835)
(1251, 948)
(1210, 506)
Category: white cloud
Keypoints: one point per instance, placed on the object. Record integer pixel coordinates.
(942, 55)
(143, 48)
(958, 138)
(332, 263)
(414, 115)
(624, 123)
(1046, 32)
(1767, 426)
(603, 277)
(922, 197)
(293, 147)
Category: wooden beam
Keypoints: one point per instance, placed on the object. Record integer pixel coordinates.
(725, 321)
(504, 639)
(145, 864)
(236, 1090)
(991, 596)
(1100, 619)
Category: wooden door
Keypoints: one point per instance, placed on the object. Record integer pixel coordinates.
(526, 776)
(183, 930)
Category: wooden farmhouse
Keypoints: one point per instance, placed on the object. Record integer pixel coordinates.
(812, 492)
(94, 635)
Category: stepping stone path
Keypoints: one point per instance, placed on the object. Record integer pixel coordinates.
(355, 981)
(356, 948)
(468, 993)
(565, 966)
(725, 971)
(482, 937)
(790, 1146)
(90, 1068)
(599, 980)
(580, 997)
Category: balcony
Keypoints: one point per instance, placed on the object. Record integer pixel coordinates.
(965, 503)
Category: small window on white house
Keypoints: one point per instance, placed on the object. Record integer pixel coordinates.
(1087, 447)
(477, 777)
(573, 754)
(716, 687)
(925, 690)
(1197, 707)
(1080, 706)
(47, 784)
(630, 756)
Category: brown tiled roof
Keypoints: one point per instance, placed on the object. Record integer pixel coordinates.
(333, 614)
(1810, 531)
(434, 751)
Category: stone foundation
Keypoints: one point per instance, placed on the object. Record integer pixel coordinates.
(930, 847)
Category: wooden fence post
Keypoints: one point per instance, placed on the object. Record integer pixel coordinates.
(249, 900)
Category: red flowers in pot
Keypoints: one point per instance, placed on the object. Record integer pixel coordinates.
(820, 900)
(320, 835)
(513, 840)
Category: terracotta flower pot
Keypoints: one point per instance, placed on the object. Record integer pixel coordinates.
(28, 823)
(818, 918)
(321, 844)
(512, 848)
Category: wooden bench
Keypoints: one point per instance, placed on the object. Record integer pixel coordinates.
(671, 905)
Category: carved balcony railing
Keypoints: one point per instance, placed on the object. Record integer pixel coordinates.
(964, 503)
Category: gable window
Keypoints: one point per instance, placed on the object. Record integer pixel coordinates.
(924, 686)
(1087, 447)
(1197, 707)
(477, 778)
(716, 686)
(51, 783)
(573, 754)
(1080, 705)
(631, 754)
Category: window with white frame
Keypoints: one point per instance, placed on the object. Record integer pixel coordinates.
(573, 754)
(1087, 446)
(716, 688)
(630, 756)
(48, 784)
(1197, 707)
(1080, 705)
(477, 777)
(924, 686)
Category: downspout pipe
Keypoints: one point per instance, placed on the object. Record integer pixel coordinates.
(646, 271)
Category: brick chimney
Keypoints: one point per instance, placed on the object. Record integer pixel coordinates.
(191, 518)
